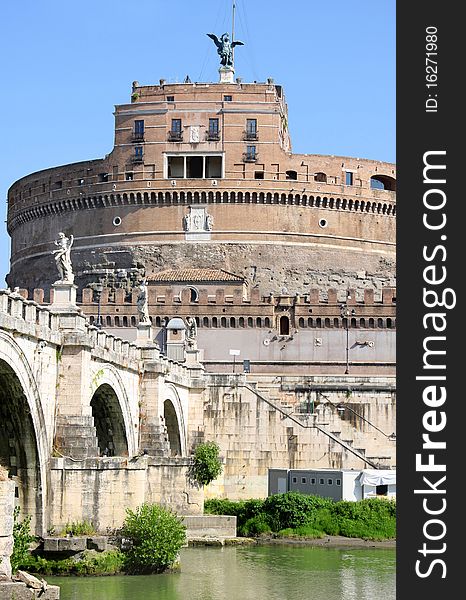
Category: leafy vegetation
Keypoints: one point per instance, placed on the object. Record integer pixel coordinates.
(207, 465)
(155, 536)
(22, 539)
(299, 515)
(90, 562)
(77, 528)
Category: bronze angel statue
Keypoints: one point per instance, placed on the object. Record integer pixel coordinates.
(225, 48)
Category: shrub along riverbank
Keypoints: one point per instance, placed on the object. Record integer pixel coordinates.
(298, 515)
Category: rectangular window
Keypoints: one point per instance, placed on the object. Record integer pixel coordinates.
(227, 98)
(170, 98)
(176, 132)
(348, 178)
(313, 480)
(303, 480)
(321, 481)
(251, 153)
(213, 126)
(294, 480)
(258, 174)
(103, 177)
(138, 151)
(139, 129)
(213, 133)
(330, 481)
(129, 176)
(81, 181)
(251, 129)
(338, 481)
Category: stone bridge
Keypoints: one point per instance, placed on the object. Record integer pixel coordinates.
(91, 424)
(85, 414)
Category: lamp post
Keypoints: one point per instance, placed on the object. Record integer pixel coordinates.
(346, 313)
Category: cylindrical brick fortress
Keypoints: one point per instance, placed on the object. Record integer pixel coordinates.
(202, 176)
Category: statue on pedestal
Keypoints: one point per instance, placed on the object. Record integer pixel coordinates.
(63, 258)
(191, 333)
(224, 48)
(142, 304)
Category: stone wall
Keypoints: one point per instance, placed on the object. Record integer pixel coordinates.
(7, 503)
(100, 490)
(255, 435)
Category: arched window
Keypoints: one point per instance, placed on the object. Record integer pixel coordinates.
(383, 182)
(193, 294)
(327, 322)
(233, 322)
(389, 323)
(301, 322)
(133, 321)
(241, 322)
(362, 323)
(214, 322)
(310, 322)
(380, 323)
(371, 323)
(205, 321)
(266, 322)
(284, 325)
(108, 321)
(336, 322)
(318, 322)
(223, 322)
(258, 322)
(353, 323)
(117, 321)
(91, 319)
(158, 322)
(322, 177)
(125, 321)
(250, 322)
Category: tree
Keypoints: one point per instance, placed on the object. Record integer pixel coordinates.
(207, 465)
(155, 536)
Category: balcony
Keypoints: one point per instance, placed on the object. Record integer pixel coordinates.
(251, 135)
(138, 136)
(175, 136)
(250, 157)
(212, 136)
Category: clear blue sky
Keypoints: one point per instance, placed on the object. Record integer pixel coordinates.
(66, 63)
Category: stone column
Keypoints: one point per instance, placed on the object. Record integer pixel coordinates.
(7, 504)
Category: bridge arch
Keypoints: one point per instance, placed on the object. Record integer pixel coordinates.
(24, 447)
(174, 421)
(112, 414)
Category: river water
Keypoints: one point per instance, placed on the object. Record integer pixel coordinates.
(252, 573)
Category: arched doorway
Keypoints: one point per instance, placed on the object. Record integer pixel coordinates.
(173, 428)
(284, 325)
(109, 422)
(18, 446)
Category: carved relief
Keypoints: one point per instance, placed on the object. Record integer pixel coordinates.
(198, 220)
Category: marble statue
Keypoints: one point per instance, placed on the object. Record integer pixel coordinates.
(63, 258)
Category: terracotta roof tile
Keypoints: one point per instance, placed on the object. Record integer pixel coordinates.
(195, 275)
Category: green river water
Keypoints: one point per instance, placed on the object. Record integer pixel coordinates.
(252, 573)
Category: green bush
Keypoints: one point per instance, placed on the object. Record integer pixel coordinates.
(243, 510)
(254, 526)
(293, 509)
(207, 465)
(156, 535)
(373, 518)
(22, 539)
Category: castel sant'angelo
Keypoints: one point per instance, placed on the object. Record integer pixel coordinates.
(222, 288)
(203, 196)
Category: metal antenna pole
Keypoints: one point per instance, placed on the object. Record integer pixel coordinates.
(233, 33)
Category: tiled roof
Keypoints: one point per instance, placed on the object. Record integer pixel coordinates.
(194, 275)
